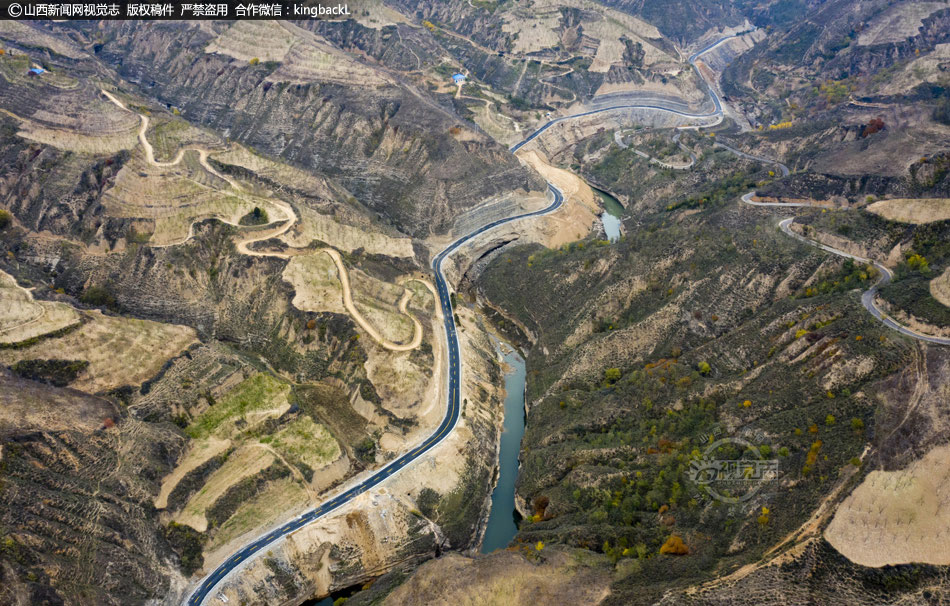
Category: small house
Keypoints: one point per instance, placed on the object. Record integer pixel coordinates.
(36, 71)
(458, 78)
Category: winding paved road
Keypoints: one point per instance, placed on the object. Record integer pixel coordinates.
(867, 297)
(454, 367)
(444, 429)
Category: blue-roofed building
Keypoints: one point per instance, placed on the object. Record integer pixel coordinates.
(459, 78)
(36, 71)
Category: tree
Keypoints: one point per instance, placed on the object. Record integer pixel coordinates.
(857, 424)
(704, 368)
(674, 546)
(918, 263)
(5, 219)
(876, 125)
(830, 420)
(612, 375)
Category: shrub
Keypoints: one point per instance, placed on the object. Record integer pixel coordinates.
(942, 111)
(704, 368)
(857, 424)
(55, 372)
(254, 61)
(257, 216)
(98, 296)
(427, 501)
(612, 374)
(5, 219)
(919, 263)
(830, 420)
(188, 543)
(366, 450)
(876, 125)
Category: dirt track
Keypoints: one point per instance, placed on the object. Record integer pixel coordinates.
(288, 220)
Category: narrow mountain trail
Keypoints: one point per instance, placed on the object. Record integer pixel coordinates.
(282, 226)
(237, 560)
(453, 409)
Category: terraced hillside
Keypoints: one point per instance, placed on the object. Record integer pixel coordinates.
(387, 143)
(159, 276)
(217, 311)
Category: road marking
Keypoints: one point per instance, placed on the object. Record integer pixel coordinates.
(452, 408)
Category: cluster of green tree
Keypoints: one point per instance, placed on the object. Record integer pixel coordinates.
(99, 296)
(850, 275)
(188, 543)
(725, 190)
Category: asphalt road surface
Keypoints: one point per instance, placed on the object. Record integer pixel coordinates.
(867, 297)
(444, 429)
(454, 369)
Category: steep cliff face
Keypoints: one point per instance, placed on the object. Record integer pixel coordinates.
(394, 148)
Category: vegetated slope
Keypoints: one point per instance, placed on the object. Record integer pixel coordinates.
(703, 322)
(393, 147)
(682, 22)
(917, 254)
(524, 59)
(76, 521)
(842, 97)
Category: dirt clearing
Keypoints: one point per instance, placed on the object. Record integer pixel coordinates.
(897, 517)
(909, 210)
(501, 579)
(580, 211)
